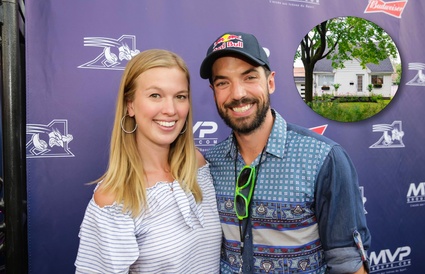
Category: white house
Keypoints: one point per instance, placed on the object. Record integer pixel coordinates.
(353, 79)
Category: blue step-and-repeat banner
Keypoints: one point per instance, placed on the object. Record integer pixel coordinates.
(77, 50)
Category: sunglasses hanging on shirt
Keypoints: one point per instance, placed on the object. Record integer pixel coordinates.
(245, 185)
(243, 191)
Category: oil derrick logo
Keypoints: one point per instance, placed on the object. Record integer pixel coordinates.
(392, 135)
(113, 53)
(419, 79)
(49, 140)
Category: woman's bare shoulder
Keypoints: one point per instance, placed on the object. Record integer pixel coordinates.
(102, 197)
(200, 158)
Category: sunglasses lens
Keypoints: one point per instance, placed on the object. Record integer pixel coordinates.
(240, 206)
(244, 177)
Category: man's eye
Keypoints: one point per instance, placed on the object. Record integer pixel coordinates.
(221, 83)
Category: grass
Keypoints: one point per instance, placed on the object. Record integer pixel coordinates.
(348, 111)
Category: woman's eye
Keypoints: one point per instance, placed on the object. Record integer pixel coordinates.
(155, 95)
(182, 97)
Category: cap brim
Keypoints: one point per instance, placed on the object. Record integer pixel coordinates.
(206, 65)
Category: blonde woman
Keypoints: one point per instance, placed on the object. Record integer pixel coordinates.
(154, 210)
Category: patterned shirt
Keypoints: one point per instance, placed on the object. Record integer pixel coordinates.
(305, 208)
(175, 235)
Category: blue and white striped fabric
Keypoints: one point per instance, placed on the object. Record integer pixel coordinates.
(175, 235)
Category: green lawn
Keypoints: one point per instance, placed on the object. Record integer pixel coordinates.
(348, 111)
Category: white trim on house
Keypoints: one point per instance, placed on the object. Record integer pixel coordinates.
(353, 80)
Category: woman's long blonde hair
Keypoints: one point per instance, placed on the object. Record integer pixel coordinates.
(125, 176)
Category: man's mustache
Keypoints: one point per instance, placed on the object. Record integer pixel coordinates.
(243, 101)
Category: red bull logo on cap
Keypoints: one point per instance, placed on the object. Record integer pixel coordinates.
(228, 41)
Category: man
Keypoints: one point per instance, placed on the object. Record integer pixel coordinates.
(288, 199)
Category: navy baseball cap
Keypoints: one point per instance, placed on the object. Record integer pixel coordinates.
(244, 44)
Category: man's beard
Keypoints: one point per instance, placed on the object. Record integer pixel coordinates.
(242, 125)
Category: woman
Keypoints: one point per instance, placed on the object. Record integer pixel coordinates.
(154, 209)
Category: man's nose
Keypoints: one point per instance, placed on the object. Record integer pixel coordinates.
(238, 91)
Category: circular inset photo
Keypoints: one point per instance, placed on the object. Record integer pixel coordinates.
(347, 69)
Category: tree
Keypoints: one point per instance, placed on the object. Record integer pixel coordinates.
(398, 72)
(341, 39)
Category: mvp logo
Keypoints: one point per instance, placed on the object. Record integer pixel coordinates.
(416, 191)
(202, 129)
(416, 195)
(207, 127)
(385, 255)
(388, 260)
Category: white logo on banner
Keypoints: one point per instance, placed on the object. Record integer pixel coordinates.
(113, 53)
(392, 135)
(201, 132)
(416, 195)
(387, 261)
(419, 79)
(49, 140)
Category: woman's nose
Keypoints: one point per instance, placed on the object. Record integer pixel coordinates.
(168, 106)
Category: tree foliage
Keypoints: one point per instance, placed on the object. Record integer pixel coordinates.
(340, 39)
(398, 72)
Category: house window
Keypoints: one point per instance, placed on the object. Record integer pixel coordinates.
(326, 80)
(377, 81)
(359, 83)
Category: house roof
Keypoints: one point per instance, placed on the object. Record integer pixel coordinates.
(383, 66)
(325, 65)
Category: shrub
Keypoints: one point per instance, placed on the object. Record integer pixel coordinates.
(347, 111)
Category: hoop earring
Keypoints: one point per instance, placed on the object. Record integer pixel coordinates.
(185, 128)
(122, 125)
